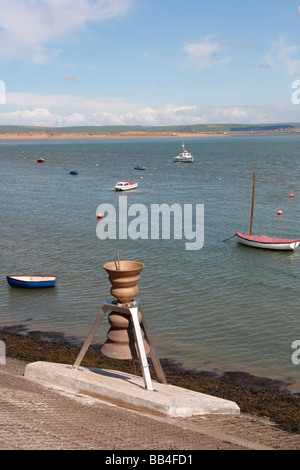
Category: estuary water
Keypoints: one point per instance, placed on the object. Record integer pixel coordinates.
(222, 307)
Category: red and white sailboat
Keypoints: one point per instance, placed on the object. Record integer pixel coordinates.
(261, 241)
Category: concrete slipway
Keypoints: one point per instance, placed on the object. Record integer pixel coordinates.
(129, 390)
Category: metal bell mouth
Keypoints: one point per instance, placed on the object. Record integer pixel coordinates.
(122, 267)
(124, 277)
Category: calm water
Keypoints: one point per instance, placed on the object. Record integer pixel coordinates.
(223, 307)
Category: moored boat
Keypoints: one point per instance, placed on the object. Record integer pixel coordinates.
(125, 186)
(262, 241)
(184, 156)
(40, 160)
(73, 172)
(138, 167)
(269, 243)
(30, 282)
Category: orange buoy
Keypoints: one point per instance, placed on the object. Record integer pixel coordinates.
(99, 216)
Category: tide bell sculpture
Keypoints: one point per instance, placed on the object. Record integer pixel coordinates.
(123, 276)
(128, 336)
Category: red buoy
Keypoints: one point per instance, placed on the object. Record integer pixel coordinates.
(291, 195)
(279, 212)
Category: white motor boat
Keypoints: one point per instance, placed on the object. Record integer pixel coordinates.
(184, 156)
(125, 186)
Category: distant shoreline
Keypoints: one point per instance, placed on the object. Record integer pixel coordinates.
(86, 136)
(130, 135)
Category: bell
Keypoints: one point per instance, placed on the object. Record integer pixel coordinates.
(124, 276)
(120, 343)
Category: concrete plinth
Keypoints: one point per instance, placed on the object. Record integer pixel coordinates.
(126, 389)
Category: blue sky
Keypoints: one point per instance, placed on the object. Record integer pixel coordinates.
(149, 62)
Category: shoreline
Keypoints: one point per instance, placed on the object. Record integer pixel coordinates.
(257, 396)
(86, 136)
(131, 135)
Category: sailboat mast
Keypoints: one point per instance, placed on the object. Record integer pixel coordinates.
(252, 203)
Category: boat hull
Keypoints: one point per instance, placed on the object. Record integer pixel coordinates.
(267, 243)
(125, 189)
(31, 282)
(125, 186)
(183, 160)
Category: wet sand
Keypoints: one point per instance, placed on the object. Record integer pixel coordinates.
(84, 136)
(257, 396)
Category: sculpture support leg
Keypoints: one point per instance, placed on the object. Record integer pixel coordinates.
(156, 362)
(88, 341)
(141, 349)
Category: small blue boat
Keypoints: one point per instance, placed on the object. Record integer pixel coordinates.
(31, 282)
(138, 167)
(73, 172)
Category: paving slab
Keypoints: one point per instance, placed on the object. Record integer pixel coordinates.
(129, 390)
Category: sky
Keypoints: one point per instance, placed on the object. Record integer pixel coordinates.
(149, 62)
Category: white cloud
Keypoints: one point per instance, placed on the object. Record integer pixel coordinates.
(283, 57)
(41, 117)
(70, 110)
(286, 55)
(66, 110)
(28, 27)
(206, 54)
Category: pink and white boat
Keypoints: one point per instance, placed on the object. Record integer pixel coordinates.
(261, 241)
